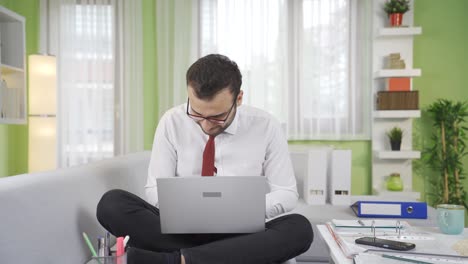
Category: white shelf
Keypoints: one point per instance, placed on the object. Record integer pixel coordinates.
(398, 155)
(399, 31)
(385, 195)
(403, 114)
(397, 73)
(6, 69)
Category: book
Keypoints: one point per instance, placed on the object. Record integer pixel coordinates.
(398, 84)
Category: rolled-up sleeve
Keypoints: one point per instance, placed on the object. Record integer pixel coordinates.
(278, 169)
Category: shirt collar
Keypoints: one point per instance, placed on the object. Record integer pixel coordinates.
(232, 128)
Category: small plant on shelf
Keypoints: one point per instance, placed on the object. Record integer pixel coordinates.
(395, 10)
(395, 135)
(394, 182)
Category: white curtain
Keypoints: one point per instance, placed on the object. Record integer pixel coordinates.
(255, 34)
(176, 49)
(98, 47)
(129, 78)
(306, 61)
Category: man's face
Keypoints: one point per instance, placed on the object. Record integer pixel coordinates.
(221, 106)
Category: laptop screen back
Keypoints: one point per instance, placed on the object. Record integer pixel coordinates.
(222, 204)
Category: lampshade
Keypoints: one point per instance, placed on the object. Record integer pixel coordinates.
(42, 85)
(42, 111)
(42, 144)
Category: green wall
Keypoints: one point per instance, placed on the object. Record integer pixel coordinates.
(441, 54)
(14, 138)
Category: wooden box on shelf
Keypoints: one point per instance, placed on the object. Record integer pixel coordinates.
(407, 100)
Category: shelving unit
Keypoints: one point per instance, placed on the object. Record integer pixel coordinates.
(398, 155)
(12, 68)
(399, 31)
(397, 73)
(384, 160)
(397, 114)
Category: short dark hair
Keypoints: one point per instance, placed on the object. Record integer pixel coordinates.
(211, 74)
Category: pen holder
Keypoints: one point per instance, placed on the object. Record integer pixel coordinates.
(109, 260)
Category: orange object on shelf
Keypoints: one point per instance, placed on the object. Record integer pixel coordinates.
(398, 84)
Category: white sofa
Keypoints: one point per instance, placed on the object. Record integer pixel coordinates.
(44, 214)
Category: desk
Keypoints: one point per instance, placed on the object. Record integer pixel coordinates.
(320, 214)
(337, 256)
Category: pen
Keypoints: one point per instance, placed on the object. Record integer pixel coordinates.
(91, 248)
(360, 222)
(101, 247)
(126, 241)
(107, 244)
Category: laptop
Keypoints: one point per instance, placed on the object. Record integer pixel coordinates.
(219, 204)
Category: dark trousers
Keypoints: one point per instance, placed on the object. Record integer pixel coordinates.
(123, 213)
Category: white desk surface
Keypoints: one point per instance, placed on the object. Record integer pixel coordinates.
(337, 256)
(320, 214)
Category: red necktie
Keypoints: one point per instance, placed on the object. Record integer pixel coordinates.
(208, 167)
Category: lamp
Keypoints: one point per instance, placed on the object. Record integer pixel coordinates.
(42, 112)
(42, 77)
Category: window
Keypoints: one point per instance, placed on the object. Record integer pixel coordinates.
(87, 87)
(303, 61)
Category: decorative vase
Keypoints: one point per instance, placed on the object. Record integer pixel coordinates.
(395, 19)
(396, 145)
(394, 183)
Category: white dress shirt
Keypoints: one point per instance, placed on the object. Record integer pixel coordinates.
(252, 145)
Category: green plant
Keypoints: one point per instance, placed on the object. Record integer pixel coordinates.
(395, 134)
(447, 149)
(396, 6)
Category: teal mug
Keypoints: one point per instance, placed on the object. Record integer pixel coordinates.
(451, 218)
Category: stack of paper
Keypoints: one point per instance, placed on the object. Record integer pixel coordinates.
(378, 223)
(431, 247)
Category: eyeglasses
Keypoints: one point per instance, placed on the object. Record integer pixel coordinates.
(213, 120)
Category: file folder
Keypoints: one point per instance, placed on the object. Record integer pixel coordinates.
(339, 185)
(310, 168)
(377, 209)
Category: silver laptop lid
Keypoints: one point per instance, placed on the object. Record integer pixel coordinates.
(221, 204)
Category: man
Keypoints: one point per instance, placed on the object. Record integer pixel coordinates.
(244, 141)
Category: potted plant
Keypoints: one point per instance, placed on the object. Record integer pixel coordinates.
(394, 182)
(395, 135)
(447, 150)
(395, 10)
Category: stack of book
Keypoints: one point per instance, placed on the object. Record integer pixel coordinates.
(395, 62)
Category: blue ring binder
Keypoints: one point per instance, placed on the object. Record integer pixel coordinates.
(378, 209)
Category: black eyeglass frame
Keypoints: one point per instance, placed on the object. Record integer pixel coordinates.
(199, 118)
